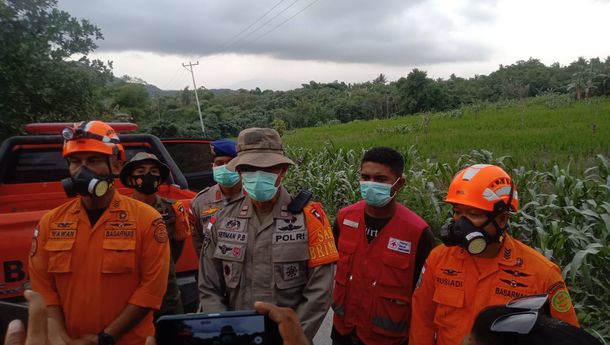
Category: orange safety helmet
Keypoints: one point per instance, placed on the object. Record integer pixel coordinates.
(482, 186)
(92, 136)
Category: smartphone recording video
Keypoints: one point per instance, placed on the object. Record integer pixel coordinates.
(227, 328)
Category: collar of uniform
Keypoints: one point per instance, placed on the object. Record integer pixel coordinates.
(158, 203)
(218, 191)
(77, 205)
(245, 209)
(115, 203)
(280, 209)
(218, 194)
(236, 196)
(509, 253)
(459, 252)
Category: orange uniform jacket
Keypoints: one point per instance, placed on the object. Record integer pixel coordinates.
(93, 273)
(455, 286)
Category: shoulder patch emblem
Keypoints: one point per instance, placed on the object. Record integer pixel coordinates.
(561, 301)
(159, 230)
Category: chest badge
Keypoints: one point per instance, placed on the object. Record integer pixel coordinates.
(399, 245)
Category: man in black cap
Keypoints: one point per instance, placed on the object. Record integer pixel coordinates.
(265, 247)
(145, 173)
(212, 199)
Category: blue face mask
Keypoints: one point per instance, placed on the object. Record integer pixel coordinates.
(260, 185)
(225, 177)
(376, 194)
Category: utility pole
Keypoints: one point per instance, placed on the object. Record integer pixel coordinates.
(190, 69)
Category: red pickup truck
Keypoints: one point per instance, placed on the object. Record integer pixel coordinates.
(31, 168)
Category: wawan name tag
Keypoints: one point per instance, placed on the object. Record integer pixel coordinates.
(350, 223)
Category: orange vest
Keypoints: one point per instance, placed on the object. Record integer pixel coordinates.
(374, 282)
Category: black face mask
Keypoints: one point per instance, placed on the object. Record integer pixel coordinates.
(466, 235)
(146, 184)
(87, 183)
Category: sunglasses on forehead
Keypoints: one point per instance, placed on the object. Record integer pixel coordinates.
(522, 321)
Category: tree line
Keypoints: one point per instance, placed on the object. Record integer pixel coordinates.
(40, 82)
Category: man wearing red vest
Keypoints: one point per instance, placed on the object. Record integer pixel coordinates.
(382, 246)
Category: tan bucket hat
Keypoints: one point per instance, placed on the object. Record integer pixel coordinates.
(259, 147)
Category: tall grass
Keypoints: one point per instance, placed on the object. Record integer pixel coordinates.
(564, 214)
(537, 132)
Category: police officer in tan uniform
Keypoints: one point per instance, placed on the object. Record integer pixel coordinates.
(264, 247)
(145, 173)
(210, 200)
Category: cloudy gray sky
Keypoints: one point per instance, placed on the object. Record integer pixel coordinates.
(279, 44)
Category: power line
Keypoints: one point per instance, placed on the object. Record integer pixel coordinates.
(258, 28)
(285, 21)
(162, 86)
(226, 45)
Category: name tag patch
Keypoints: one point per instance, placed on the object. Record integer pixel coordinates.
(61, 234)
(119, 233)
(120, 230)
(241, 237)
(350, 223)
(399, 245)
(290, 237)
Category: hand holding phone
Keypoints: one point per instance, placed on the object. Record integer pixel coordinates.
(226, 328)
(287, 320)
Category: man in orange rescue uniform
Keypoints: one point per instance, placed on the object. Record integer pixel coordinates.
(480, 264)
(101, 260)
(383, 246)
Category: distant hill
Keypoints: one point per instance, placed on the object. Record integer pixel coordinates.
(153, 90)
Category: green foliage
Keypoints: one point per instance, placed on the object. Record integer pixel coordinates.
(37, 84)
(536, 132)
(566, 216)
(279, 125)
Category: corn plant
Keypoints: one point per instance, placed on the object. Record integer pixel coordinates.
(564, 215)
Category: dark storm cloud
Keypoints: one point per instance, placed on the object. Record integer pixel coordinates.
(396, 32)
